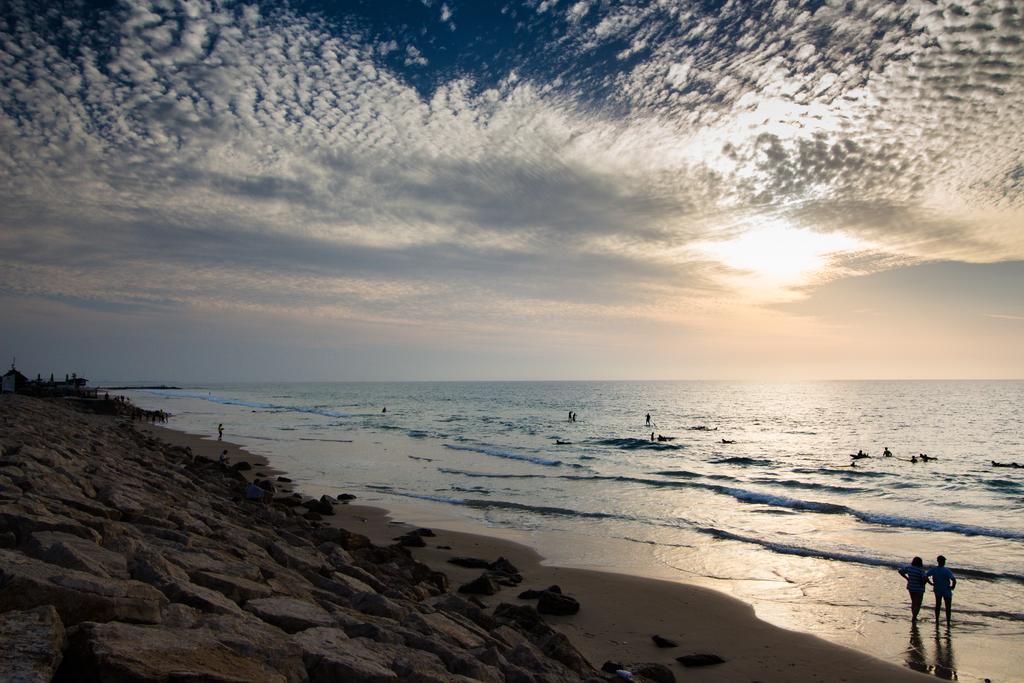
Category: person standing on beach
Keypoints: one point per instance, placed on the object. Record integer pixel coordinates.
(916, 581)
(648, 419)
(220, 431)
(943, 583)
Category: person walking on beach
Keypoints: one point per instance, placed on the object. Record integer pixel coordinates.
(648, 419)
(943, 583)
(220, 431)
(915, 576)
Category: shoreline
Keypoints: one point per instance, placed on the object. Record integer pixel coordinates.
(619, 612)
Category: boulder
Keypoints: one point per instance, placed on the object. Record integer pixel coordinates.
(533, 593)
(233, 587)
(664, 642)
(300, 559)
(412, 540)
(699, 660)
(77, 596)
(123, 652)
(345, 497)
(482, 585)
(329, 656)
(653, 671)
(23, 520)
(289, 614)
(469, 562)
(377, 605)
(241, 466)
(31, 644)
(75, 552)
(556, 603)
(322, 506)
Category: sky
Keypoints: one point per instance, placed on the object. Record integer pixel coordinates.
(549, 189)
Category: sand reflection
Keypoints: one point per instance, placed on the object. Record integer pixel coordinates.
(941, 663)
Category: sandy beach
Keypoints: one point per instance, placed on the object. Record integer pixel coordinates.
(619, 614)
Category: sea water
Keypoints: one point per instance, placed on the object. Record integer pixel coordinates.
(779, 518)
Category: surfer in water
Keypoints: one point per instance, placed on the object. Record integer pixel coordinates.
(886, 453)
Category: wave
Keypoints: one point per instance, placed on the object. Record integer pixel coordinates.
(683, 474)
(223, 400)
(509, 505)
(843, 472)
(510, 455)
(810, 485)
(742, 460)
(306, 438)
(490, 475)
(805, 551)
(1003, 484)
(632, 444)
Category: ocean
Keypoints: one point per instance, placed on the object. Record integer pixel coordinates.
(751, 493)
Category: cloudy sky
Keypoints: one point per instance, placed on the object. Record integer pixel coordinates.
(562, 189)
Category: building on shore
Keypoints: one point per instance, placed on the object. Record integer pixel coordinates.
(14, 381)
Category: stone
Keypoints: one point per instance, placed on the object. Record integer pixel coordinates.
(611, 666)
(534, 594)
(124, 652)
(301, 559)
(233, 587)
(75, 552)
(31, 644)
(557, 646)
(428, 533)
(699, 660)
(664, 642)
(345, 497)
(525, 617)
(241, 466)
(503, 566)
(284, 480)
(330, 655)
(77, 596)
(289, 614)
(482, 585)
(377, 605)
(469, 562)
(556, 603)
(653, 671)
(322, 506)
(411, 540)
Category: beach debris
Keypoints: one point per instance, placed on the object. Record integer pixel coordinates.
(557, 603)
(699, 660)
(482, 585)
(664, 642)
(624, 675)
(469, 562)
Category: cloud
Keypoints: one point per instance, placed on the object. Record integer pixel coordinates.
(199, 155)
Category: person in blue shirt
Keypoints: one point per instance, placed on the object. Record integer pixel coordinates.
(943, 583)
(915, 576)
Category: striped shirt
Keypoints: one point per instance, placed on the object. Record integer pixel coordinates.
(915, 578)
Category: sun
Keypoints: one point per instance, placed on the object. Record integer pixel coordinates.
(778, 255)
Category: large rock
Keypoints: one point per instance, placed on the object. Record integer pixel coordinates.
(482, 585)
(331, 656)
(75, 552)
(290, 615)
(77, 596)
(123, 652)
(699, 660)
(31, 644)
(233, 587)
(556, 603)
(23, 520)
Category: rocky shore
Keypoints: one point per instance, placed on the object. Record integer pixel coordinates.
(124, 558)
